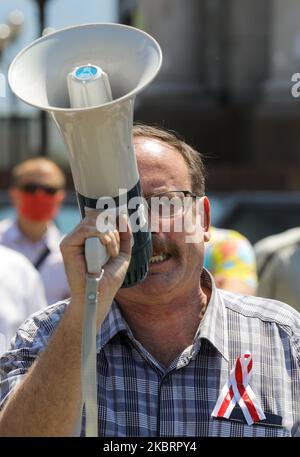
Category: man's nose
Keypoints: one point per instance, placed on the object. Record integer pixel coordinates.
(157, 224)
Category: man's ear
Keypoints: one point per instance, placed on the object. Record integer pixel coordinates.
(60, 196)
(206, 219)
(14, 195)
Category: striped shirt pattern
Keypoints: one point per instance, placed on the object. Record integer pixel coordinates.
(139, 397)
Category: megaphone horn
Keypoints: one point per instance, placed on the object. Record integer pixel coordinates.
(87, 77)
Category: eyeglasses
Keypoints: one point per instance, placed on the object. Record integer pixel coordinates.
(31, 188)
(170, 204)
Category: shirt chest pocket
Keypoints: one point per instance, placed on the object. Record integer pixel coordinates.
(265, 430)
(236, 429)
(236, 426)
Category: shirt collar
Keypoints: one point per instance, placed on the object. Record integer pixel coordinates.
(113, 324)
(213, 326)
(12, 232)
(51, 238)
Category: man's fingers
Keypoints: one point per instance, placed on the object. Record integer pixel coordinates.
(125, 234)
(114, 240)
(112, 243)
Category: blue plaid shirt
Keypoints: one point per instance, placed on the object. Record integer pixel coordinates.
(139, 397)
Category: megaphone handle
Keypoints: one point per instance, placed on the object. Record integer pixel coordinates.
(95, 254)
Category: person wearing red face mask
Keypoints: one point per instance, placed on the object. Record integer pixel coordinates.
(37, 192)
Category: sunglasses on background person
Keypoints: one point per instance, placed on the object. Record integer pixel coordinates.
(32, 188)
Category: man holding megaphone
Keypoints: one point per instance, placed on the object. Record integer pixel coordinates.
(175, 356)
(167, 345)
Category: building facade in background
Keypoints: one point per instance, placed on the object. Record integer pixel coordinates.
(225, 85)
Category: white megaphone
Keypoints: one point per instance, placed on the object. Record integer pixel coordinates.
(87, 78)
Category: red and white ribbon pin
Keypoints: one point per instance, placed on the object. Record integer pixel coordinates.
(237, 389)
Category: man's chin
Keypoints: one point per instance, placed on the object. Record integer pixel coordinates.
(162, 277)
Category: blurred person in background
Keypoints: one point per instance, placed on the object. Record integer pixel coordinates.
(21, 293)
(37, 192)
(230, 257)
(278, 262)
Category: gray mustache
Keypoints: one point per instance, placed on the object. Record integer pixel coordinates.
(165, 247)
